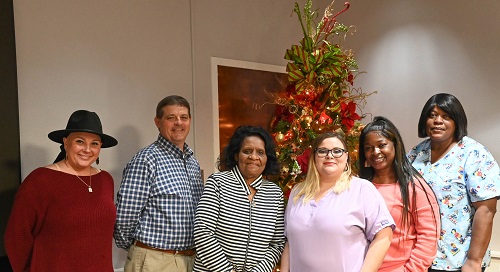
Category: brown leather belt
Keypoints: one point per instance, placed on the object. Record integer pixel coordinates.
(188, 252)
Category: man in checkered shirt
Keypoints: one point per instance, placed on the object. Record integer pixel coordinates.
(157, 200)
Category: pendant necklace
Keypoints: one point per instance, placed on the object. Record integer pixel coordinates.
(90, 177)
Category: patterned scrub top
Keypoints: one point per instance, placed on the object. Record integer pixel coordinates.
(467, 173)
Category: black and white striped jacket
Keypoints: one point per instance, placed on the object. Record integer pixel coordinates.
(231, 232)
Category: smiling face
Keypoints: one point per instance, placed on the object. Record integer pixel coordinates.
(379, 151)
(82, 149)
(328, 165)
(174, 125)
(440, 127)
(252, 158)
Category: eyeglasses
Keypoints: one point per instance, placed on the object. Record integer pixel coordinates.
(336, 152)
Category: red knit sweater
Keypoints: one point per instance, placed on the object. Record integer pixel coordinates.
(57, 225)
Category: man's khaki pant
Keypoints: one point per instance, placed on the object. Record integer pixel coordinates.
(146, 260)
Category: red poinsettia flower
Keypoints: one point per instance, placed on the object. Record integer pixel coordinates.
(350, 78)
(305, 96)
(303, 160)
(349, 115)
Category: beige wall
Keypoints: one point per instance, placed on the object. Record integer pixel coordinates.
(119, 58)
(495, 265)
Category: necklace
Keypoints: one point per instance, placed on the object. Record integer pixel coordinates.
(90, 176)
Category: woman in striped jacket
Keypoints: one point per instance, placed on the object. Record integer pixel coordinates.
(239, 224)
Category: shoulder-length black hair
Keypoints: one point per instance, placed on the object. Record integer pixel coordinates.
(406, 174)
(449, 104)
(227, 159)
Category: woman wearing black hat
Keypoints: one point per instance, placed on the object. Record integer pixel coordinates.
(64, 213)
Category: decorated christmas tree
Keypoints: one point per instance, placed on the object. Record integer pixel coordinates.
(319, 95)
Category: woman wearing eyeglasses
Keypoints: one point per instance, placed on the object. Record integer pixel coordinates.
(335, 221)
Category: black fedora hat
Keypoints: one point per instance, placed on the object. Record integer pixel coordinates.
(83, 121)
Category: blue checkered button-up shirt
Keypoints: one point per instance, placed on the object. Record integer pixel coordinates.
(157, 200)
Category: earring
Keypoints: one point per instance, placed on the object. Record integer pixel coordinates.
(346, 167)
(97, 161)
(367, 164)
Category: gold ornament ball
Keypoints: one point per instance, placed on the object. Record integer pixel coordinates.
(307, 118)
(279, 137)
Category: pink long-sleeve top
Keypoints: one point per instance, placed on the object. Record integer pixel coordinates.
(412, 249)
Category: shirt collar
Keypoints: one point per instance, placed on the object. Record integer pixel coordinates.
(239, 177)
(173, 148)
(425, 153)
